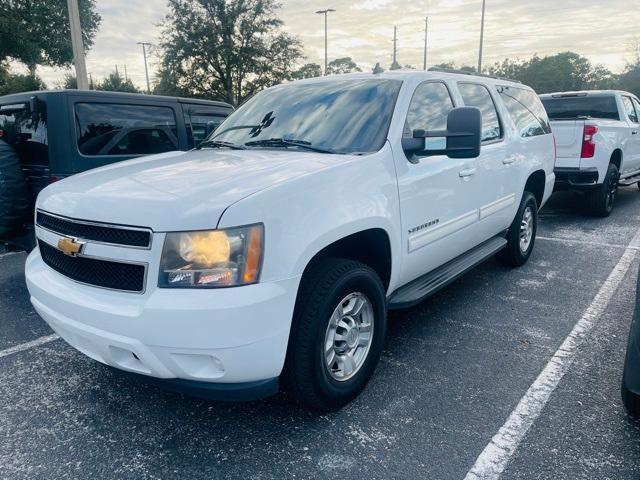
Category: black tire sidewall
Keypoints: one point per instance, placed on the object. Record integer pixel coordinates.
(528, 200)
(357, 281)
(512, 256)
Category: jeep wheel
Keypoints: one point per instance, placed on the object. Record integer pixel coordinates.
(337, 334)
(603, 198)
(522, 233)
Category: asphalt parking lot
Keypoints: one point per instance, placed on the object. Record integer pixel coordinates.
(453, 371)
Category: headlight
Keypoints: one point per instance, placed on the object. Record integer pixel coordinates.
(213, 258)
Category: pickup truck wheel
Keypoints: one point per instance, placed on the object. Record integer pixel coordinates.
(337, 335)
(603, 198)
(522, 233)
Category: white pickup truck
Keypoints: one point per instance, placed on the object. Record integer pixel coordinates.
(598, 143)
(272, 252)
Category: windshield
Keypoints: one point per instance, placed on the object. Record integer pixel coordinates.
(341, 116)
(589, 106)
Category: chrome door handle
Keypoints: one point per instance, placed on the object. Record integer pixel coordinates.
(508, 160)
(634, 133)
(467, 172)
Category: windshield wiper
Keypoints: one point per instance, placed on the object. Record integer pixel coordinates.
(220, 144)
(286, 142)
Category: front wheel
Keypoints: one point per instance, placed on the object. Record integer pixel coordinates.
(337, 335)
(522, 233)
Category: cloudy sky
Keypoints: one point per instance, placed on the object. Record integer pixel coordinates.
(603, 31)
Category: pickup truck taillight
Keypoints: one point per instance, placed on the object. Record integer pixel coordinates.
(588, 145)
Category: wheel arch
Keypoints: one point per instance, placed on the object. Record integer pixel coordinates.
(536, 184)
(371, 246)
(616, 158)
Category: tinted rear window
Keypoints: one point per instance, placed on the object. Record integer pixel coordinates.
(116, 129)
(575, 107)
(26, 131)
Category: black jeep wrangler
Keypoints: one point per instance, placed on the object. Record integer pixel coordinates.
(59, 133)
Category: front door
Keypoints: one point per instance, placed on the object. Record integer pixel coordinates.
(631, 154)
(437, 203)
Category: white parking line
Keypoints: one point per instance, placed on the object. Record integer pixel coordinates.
(571, 241)
(8, 254)
(26, 346)
(494, 458)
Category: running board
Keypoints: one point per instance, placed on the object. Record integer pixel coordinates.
(629, 181)
(425, 286)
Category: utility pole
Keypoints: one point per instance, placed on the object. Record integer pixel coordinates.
(326, 14)
(77, 45)
(125, 73)
(481, 37)
(146, 69)
(426, 31)
(395, 65)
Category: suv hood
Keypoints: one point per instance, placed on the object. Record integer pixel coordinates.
(177, 190)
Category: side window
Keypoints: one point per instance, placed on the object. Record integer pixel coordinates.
(198, 120)
(429, 108)
(526, 110)
(476, 95)
(636, 104)
(630, 109)
(117, 129)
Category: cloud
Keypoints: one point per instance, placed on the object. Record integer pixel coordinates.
(603, 32)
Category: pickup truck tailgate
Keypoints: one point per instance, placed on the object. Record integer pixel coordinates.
(569, 135)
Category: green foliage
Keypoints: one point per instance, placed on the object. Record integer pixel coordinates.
(453, 66)
(16, 83)
(309, 70)
(342, 65)
(37, 32)
(225, 49)
(562, 72)
(117, 83)
(69, 82)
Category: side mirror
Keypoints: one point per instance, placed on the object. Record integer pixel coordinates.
(463, 134)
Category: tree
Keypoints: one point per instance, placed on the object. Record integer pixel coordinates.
(452, 66)
(69, 82)
(116, 83)
(629, 80)
(37, 32)
(562, 72)
(226, 49)
(309, 70)
(16, 83)
(342, 65)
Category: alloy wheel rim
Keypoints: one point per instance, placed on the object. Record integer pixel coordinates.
(612, 190)
(348, 337)
(526, 229)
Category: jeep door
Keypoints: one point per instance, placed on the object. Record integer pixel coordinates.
(437, 193)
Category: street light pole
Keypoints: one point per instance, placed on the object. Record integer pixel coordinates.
(77, 45)
(426, 31)
(146, 69)
(481, 37)
(326, 58)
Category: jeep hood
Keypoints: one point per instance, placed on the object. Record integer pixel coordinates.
(176, 190)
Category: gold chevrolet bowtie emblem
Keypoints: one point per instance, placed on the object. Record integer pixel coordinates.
(70, 246)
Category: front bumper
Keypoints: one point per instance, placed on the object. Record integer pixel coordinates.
(576, 178)
(224, 336)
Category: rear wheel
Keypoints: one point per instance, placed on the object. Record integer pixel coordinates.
(604, 197)
(522, 233)
(337, 334)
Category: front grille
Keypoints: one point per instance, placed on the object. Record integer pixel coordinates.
(100, 273)
(97, 233)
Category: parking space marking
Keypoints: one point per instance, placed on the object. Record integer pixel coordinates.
(493, 460)
(29, 345)
(8, 254)
(571, 241)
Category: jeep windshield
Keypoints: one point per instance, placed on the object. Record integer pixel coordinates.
(342, 116)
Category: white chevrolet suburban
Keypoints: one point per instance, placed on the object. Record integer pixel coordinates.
(598, 143)
(271, 253)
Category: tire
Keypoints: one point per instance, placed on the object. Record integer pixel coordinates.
(603, 198)
(308, 376)
(517, 253)
(14, 198)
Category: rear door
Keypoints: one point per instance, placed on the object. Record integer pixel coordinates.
(109, 130)
(495, 192)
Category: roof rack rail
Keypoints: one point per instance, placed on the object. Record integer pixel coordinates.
(464, 72)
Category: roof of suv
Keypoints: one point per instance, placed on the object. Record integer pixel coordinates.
(113, 95)
(420, 74)
(584, 93)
